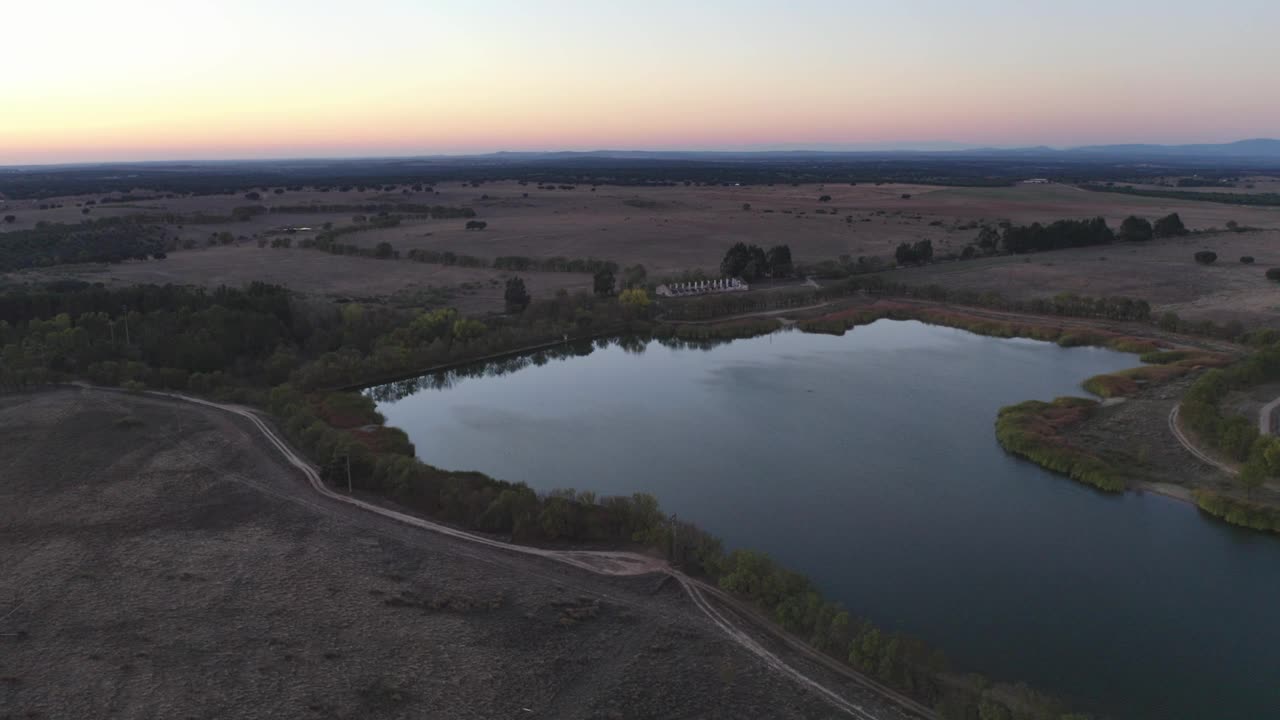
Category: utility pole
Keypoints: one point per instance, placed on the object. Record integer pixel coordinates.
(349, 491)
(125, 308)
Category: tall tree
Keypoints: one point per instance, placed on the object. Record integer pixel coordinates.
(1135, 229)
(779, 259)
(516, 295)
(735, 259)
(603, 282)
(1169, 226)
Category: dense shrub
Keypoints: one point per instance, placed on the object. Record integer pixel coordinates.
(1033, 430)
(1169, 226)
(1247, 259)
(1206, 257)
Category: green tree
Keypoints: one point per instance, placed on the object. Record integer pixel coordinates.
(988, 239)
(735, 259)
(603, 282)
(634, 297)
(1135, 229)
(779, 261)
(1252, 475)
(923, 251)
(1169, 226)
(516, 295)
(634, 276)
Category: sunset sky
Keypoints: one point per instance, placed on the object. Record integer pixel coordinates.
(125, 80)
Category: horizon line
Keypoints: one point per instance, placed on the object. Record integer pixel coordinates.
(921, 147)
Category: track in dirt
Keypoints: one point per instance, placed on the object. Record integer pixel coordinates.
(606, 563)
(1176, 429)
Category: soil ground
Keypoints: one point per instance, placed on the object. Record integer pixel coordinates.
(470, 290)
(1162, 272)
(673, 229)
(159, 561)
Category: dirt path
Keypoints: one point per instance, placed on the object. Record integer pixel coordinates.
(608, 563)
(1176, 428)
(1265, 415)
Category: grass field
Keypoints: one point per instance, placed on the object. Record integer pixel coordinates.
(1163, 272)
(672, 229)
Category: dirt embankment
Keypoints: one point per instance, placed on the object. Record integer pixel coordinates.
(158, 560)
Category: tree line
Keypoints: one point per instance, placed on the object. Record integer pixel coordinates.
(751, 262)
(1262, 199)
(110, 240)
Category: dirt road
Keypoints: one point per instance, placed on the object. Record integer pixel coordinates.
(1176, 428)
(1266, 417)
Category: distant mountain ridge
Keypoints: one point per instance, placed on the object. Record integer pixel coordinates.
(1252, 149)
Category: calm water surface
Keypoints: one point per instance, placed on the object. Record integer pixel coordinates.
(869, 463)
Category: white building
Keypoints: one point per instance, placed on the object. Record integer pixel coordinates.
(701, 287)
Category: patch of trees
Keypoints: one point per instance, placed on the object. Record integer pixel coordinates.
(171, 337)
(1206, 257)
(1060, 234)
(553, 264)
(1136, 229)
(1203, 182)
(447, 257)
(434, 212)
(1262, 199)
(751, 262)
(516, 296)
(1169, 226)
(1236, 436)
(104, 240)
(603, 282)
(918, 253)
(1238, 511)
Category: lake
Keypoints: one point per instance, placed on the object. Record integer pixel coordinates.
(869, 462)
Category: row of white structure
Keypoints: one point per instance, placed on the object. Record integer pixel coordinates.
(701, 287)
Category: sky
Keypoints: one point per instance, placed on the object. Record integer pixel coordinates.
(86, 80)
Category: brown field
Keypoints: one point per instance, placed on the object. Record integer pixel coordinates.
(670, 230)
(160, 561)
(1162, 272)
(476, 290)
(1260, 185)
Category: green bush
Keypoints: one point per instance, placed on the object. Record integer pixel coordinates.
(1032, 430)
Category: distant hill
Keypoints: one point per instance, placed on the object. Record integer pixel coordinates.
(1263, 149)
(1259, 148)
